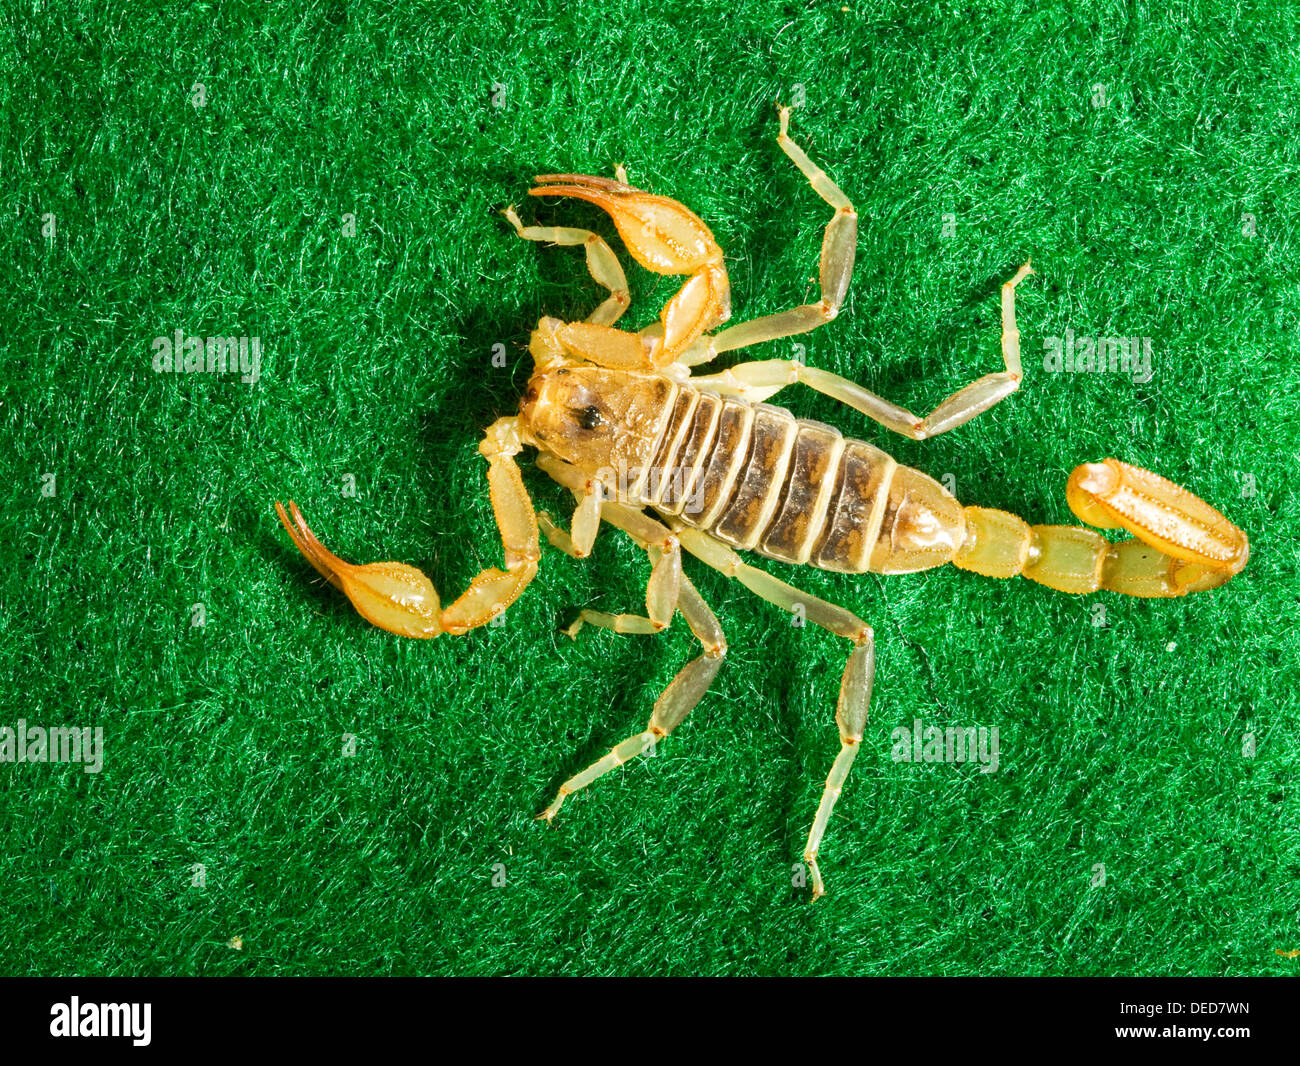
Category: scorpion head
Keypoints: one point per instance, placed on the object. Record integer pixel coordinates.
(592, 417)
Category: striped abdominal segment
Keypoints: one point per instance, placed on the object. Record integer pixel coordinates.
(758, 479)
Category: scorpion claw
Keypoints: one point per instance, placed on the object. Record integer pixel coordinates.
(393, 596)
(661, 234)
(608, 184)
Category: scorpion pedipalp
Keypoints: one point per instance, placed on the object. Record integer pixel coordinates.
(401, 598)
(668, 238)
(661, 234)
(393, 596)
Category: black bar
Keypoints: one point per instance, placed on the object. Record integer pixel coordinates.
(588, 1016)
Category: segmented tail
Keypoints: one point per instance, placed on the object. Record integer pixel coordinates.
(1183, 544)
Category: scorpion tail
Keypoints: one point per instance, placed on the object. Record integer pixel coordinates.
(1182, 544)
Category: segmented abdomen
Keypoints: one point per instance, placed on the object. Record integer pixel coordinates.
(758, 479)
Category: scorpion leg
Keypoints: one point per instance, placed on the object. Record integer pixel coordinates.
(584, 527)
(661, 595)
(674, 703)
(839, 245)
(601, 262)
(661, 592)
(758, 380)
(855, 686)
(667, 591)
(400, 598)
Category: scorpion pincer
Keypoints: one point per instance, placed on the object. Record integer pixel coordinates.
(701, 463)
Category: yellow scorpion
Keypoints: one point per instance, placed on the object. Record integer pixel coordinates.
(618, 418)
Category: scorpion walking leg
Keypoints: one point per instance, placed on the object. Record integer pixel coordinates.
(662, 547)
(758, 380)
(839, 245)
(400, 598)
(667, 591)
(586, 520)
(855, 686)
(601, 262)
(661, 596)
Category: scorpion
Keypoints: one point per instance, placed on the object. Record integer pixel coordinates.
(619, 419)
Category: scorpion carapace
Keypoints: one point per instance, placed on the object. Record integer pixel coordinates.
(618, 418)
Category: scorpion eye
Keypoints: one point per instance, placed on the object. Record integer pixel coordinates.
(589, 417)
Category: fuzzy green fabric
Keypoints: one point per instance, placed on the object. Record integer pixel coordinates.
(327, 177)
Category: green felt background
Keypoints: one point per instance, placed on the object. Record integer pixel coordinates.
(1121, 744)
